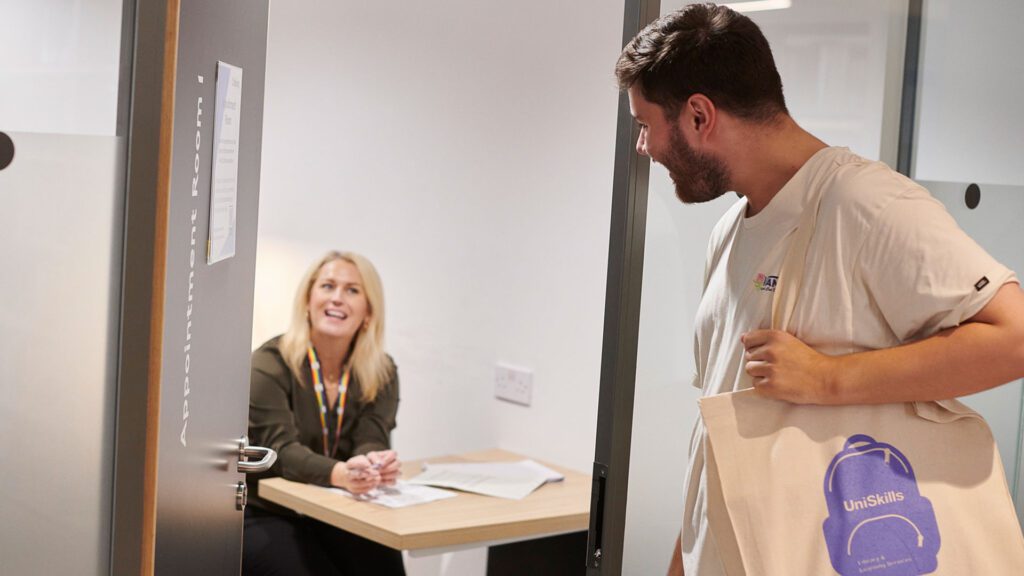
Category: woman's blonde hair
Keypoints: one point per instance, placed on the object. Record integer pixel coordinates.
(368, 361)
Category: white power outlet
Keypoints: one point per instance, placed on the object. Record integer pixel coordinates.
(513, 384)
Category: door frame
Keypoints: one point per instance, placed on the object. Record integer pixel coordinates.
(148, 96)
(621, 327)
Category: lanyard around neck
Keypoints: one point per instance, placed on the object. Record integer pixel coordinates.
(322, 403)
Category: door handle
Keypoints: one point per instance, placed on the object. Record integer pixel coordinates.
(266, 456)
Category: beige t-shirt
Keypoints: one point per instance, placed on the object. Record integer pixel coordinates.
(886, 265)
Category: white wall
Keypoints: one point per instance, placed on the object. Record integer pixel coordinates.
(467, 149)
(835, 58)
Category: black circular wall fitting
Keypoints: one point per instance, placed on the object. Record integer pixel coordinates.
(6, 150)
(972, 197)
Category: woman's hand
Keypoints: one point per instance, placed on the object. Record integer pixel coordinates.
(386, 462)
(357, 475)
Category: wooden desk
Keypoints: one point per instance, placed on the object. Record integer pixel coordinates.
(468, 520)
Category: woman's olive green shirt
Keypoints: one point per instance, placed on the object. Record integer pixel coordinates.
(284, 416)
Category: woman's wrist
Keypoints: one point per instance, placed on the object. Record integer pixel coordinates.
(357, 475)
(339, 475)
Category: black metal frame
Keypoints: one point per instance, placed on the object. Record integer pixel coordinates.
(908, 98)
(621, 327)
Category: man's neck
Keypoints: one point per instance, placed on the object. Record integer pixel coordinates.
(765, 160)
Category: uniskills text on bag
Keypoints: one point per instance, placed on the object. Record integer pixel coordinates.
(878, 519)
(885, 490)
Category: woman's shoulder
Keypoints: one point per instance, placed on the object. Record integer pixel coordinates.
(267, 358)
(392, 370)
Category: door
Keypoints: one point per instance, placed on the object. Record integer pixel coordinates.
(188, 290)
(207, 305)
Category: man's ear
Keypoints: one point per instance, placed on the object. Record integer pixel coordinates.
(701, 115)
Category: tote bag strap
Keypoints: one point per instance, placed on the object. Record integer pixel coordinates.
(791, 275)
(788, 288)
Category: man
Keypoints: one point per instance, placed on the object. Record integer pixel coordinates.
(897, 304)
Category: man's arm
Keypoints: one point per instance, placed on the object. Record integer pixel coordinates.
(983, 352)
(675, 565)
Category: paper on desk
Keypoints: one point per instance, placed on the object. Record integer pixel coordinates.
(512, 480)
(401, 495)
(549, 474)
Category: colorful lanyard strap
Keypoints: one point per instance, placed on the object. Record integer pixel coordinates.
(321, 400)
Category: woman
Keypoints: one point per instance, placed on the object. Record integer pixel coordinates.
(324, 396)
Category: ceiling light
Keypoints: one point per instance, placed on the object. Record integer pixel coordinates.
(759, 5)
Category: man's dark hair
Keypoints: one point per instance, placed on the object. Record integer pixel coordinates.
(704, 49)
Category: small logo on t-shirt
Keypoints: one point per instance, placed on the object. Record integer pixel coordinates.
(765, 283)
(981, 283)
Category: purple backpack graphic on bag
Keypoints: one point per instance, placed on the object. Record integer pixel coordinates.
(878, 523)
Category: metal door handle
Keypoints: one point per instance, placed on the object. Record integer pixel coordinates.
(266, 456)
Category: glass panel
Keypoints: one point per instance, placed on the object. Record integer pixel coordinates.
(995, 224)
(953, 149)
(837, 62)
(63, 198)
(970, 122)
(59, 64)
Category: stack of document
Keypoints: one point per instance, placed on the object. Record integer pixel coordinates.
(512, 480)
(401, 495)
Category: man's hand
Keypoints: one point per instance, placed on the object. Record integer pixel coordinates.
(985, 351)
(785, 368)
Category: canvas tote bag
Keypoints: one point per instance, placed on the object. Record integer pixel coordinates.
(886, 490)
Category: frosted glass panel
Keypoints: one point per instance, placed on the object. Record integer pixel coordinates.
(836, 62)
(834, 58)
(970, 122)
(59, 65)
(61, 228)
(970, 129)
(59, 298)
(995, 225)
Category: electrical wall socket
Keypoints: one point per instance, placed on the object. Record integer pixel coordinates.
(513, 384)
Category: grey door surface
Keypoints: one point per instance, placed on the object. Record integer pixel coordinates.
(207, 307)
(183, 366)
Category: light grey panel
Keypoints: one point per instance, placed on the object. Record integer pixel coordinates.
(996, 224)
(59, 65)
(971, 61)
(61, 227)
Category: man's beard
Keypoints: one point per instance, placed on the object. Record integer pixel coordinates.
(697, 177)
